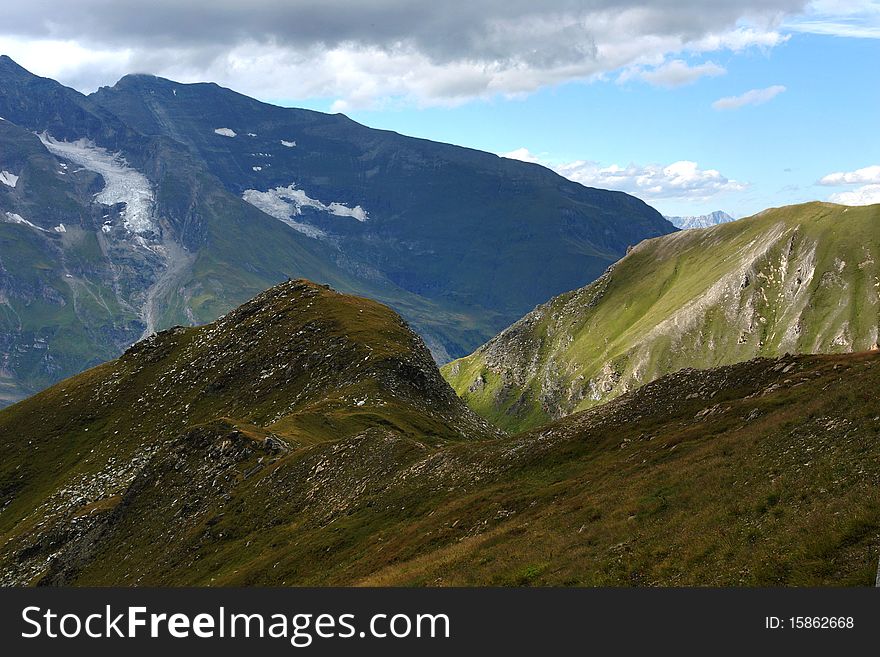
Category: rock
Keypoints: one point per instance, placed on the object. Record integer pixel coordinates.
(478, 384)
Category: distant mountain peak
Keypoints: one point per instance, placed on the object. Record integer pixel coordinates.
(9, 67)
(700, 221)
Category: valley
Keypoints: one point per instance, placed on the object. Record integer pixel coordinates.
(244, 344)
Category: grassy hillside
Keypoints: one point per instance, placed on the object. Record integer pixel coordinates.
(307, 438)
(799, 279)
(64, 305)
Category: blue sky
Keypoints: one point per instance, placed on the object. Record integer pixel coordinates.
(691, 105)
(827, 120)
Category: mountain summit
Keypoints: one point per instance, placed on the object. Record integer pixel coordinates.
(700, 221)
(297, 366)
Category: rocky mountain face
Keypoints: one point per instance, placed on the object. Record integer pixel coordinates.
(308, 438)
(154, 203)
(700, 221)
(71, 295)
(799, 279)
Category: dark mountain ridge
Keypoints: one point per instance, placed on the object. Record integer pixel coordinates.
(460, 242)
(415, 191)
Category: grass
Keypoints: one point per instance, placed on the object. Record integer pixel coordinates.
(762, 473)
(800, 279)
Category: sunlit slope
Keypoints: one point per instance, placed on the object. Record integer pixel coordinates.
(799, 279)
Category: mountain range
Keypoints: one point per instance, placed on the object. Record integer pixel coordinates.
(798, 279)
(220, 329)
(700, 221)
(152, 203)
(307, 438)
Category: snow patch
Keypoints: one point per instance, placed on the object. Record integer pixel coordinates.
(279, 204)
(251, 134)
(257, 168)
(13, 218)
(60, 228)
(342, 210)
(225, 132)
(284, 203)
(7, 178)
(122, 184)
(289, 144)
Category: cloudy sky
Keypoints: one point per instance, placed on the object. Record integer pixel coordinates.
(692, 105)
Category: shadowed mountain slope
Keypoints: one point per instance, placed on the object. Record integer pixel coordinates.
(180, 202)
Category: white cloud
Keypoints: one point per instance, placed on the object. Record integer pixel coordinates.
(865, 195)
(869, 174)
(741, 39)
(751, 97)
(869, 192)
(859, 19)
(674, 73)
(370, 54)
(523, 155)
(682, 180)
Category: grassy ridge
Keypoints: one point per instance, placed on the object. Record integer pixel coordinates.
(299, 356)
(307, 438)
(800, 279)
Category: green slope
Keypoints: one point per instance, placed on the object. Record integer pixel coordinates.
(64, 304)
(799, 279)
(307, 438)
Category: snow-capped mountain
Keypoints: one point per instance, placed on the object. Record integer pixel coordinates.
(700, 221)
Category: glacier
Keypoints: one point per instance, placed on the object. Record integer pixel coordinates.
(122, 183)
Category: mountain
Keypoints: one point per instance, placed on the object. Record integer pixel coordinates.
(799, 279)
(308, 438)
(700, 221)
(178, 202)
(461, 227)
